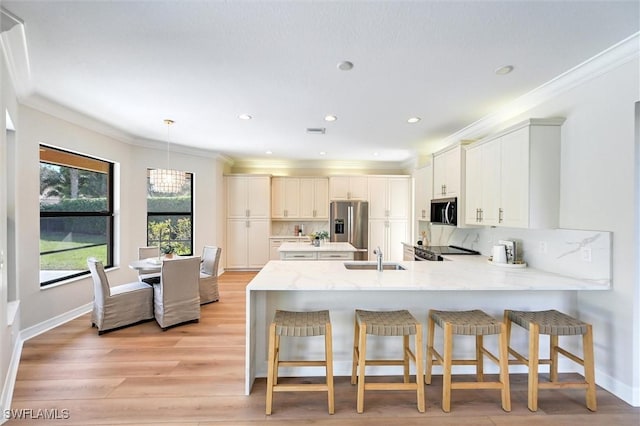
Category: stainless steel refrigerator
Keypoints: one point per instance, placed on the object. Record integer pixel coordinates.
(350, 224)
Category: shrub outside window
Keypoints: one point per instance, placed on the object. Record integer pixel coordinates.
(170, 217)
(76, 213)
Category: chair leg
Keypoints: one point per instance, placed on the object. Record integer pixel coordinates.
(446, 375)
(419, 370)
(431, 328)
(553, 356)
(270, 367)
(354, 367)
(589, 369)
(534, 336)
(328, 354)
(405, 358)
(479, 358)
(276, 359)
(362, 350)
(504, 369)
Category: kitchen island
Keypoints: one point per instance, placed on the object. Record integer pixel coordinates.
(460, 283)
(324, 251)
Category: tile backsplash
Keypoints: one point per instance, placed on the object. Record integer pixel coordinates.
(287, 228)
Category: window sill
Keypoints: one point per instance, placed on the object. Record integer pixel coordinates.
(74, 279)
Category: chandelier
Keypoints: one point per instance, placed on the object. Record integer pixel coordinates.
(166, 181)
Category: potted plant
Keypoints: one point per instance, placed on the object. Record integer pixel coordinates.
(168, 250)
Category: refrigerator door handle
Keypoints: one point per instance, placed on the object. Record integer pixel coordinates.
(350, 223)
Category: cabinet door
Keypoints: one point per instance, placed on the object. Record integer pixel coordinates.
(398, 232)
(307, 198)
(515, 179)
(423, 188)
(321, 202)
(292, 198)
(339, 187)
(490, 177)
(377, 236)
(439, 175)
(257, 243)
(473, 185)
(358, 187)
(237, 243)
(258, 196)
(452, 172)
(398, 198)
(236, 187)
(277, 197)
(378, 198)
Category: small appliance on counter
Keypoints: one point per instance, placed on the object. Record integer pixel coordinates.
(505, 254)
(434, 253)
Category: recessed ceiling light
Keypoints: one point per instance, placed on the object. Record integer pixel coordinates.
(245, 117)
(506, 69)
(330, 117)
(375, 154)
(413, 120)
(323, 153)
(268, 152)
(345, 65)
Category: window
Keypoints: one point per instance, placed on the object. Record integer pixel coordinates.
(76, 213)
(170, 212)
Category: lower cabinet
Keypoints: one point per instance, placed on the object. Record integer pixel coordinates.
(408, 252)
(316, 255)
(275, 243)
(247, 243)
(389, 236)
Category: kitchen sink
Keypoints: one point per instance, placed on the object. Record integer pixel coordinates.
(372, 266)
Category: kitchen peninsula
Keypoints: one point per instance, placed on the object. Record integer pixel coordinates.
(468, 282)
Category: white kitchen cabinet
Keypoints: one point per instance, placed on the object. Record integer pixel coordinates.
(423, 190)
(275, 243)
(314, 198)
(389, 236)
(446, 172)
(408, 252)
(248, 196)
(389, 197)
(348, 188)
(285, 198)
(247, 243)
(513, 177)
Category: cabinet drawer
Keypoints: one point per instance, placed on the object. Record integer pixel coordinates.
(298, 255)
(344, 255)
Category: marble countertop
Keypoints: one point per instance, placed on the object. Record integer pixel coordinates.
(307, 246)
(455, 273)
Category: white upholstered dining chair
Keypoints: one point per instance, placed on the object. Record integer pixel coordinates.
(209, 274)
(150, 276)
(176, 300)
(120, 305)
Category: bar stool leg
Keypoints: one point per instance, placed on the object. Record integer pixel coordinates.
(419, 370)
(589, 370)
(328, 354)
(479, 359)
(270, 368)
(553, 358)
(405, 359)
(446, 375)
(362, 349)
(534, 335)
(356, 351)
(430, 340)
(504, 369)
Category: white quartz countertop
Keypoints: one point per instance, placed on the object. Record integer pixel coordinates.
(456, 273)
(307, 246)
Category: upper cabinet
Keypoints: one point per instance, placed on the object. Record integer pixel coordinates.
(348, 188)
(513, 178)
(248, 196)
(446, 172)
(389, 197)
(314, 198)
(423, 192)
(300, 198)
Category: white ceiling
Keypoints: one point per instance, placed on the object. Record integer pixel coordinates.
(131, 64)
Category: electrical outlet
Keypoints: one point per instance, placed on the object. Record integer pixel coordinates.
(585, 254)
(543, 247)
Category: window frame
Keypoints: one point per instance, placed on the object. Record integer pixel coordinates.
(109, 214)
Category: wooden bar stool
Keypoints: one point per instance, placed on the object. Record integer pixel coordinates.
(470, 323)
(553, 323)
(299, 324)
(387, 323)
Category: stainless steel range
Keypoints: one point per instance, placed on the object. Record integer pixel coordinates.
(434, 253)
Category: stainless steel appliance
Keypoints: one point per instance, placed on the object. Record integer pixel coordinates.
(349, 224)
(435, 253)
(444, 211)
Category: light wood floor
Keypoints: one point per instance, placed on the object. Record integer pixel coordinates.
(194, 375)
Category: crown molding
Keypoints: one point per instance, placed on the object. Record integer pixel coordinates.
(335, 165)
(182, 149)
(13, 41)
(605, 61)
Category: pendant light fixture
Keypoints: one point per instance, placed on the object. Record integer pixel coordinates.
(167, 181)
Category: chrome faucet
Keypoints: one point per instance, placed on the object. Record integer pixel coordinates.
(378, 254)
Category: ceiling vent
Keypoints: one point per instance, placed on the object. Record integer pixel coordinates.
(316, 130)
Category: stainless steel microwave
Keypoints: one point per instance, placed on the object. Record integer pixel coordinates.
(444, 211)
